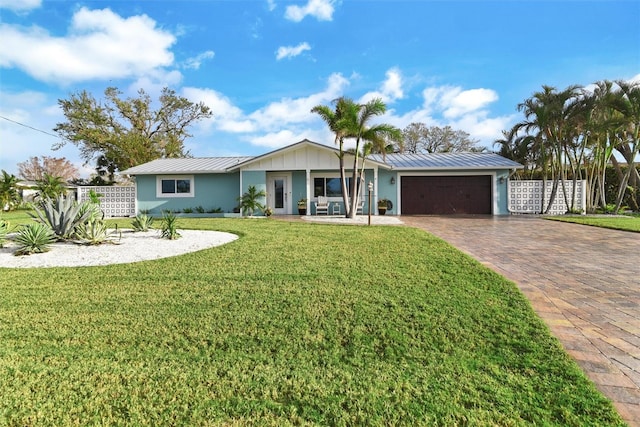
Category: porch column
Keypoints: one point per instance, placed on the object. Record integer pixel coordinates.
(308, 190)
(375, 190)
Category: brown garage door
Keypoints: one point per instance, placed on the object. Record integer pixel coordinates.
(445, 195)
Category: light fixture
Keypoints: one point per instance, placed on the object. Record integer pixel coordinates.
(393, 180)
(501, 180)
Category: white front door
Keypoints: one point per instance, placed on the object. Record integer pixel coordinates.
(279, 194)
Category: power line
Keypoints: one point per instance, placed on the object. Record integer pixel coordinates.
(30, 127)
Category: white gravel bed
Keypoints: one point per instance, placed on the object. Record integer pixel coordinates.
(132, 247)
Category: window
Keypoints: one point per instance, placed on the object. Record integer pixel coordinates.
(174, 186)
(329, 186)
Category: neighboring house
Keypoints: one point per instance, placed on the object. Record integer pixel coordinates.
(447, 183)
(29, 190)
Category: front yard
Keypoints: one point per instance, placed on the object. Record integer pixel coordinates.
(625, 223)
(292, 324)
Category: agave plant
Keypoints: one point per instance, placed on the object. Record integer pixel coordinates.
(169, 228)
(34, 238)
(62, 215)
(95, 232)
(142, 222)
(95, 213)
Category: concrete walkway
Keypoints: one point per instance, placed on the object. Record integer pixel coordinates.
(584, 282)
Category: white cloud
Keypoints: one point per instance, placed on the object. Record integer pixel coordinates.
(291, 51)
(467, 101)
(226, 116)
(20, 6)
(390, 90)
(465, 110)
(286, 111)
(277, 139)
(195, 62)
(322, 10)
(271, 5)
(100, 45)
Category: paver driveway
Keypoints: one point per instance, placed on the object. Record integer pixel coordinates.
(584, 282)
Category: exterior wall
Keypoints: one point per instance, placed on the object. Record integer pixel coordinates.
(211, 191)
(526, 197)
(114, 200)
(302, 158)
(387, 189)
(298, 188)
(256, 178)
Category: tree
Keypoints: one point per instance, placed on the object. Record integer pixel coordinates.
(50, 187)
(250, 201)
(420, 138)
(128, 132)
(9, 195)
(351, 120)
(627, 103)
(35, 168)
(554, 117)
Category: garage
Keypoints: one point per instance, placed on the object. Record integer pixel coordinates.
(446, 195)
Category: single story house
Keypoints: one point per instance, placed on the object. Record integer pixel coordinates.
(444, 183)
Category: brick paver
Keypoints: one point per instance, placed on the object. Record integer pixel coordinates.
(584, 282)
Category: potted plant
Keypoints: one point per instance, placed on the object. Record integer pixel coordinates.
(382, 206)
(302, 206)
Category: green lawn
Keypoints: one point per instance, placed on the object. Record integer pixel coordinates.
(292, 324)
(625, 223)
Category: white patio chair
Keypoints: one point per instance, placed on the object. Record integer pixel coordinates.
(322, 205)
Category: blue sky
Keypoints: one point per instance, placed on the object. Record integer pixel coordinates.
(261, 65)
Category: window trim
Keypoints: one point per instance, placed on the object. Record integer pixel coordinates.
(326, 176)
(160, 178)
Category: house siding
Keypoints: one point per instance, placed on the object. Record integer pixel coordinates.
(212, 191)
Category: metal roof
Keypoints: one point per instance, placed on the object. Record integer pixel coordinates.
(447, 161)
(187, 165)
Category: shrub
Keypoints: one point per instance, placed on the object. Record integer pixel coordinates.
(34, 238)
(142, 222)
(187, 210)
(169, 228)
(4, 230)
(95, 232)
(199, 209)
(62, 216)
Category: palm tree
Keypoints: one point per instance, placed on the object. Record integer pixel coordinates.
(250, 201)
(627, 103)
(351, 120)
(550, 116)
(9, 195)
(334, 119)
(50, 187)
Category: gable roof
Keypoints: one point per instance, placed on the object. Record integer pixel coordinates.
(186, 165)
(447, 161)
(314, 147)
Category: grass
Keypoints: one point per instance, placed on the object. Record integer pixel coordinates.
(625, 223)
(292, 324)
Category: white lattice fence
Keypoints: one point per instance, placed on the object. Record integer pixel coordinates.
(526, 197)
(114, 200)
